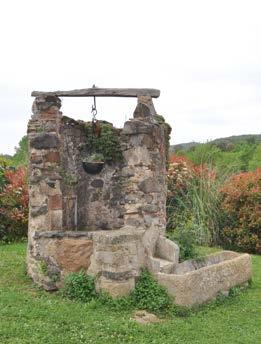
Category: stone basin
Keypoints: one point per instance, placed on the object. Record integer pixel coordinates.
(196, 281)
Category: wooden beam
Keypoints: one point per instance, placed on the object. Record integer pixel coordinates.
(102, 92)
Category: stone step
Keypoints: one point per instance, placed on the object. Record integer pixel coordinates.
(166, 266)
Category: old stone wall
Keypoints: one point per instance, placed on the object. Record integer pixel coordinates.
(106, 223)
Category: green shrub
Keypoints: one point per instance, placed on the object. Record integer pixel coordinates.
(5, 165)
(185, 237)
(79, 287)
(149, 295)
(234, 154)
(20, 158)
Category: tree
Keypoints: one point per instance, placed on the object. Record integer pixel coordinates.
(20, 157)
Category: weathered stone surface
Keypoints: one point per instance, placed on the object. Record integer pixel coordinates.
(63, 235)
(149, 185)
(143, 317)
(199, 286)
(49, 103)
(101, 92)
(137, 127)
(115, 288)
(55, 202)
(167, 249)
(50, 125)
(137, 156)
(146, 100)
(37, 198)
(97, 183)
(36, 158)
(39, 222)
(141, 111)
(73, 255)
(45, 141)
(36, 211)
(53, 157)
(56, 219)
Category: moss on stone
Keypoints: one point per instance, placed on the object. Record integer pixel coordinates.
(106, 143)
(68, 178)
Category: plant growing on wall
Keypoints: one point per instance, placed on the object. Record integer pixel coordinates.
(105, 145)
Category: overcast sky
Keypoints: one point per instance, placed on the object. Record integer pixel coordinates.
(204, 56)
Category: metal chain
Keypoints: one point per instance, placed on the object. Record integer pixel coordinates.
(94, 109)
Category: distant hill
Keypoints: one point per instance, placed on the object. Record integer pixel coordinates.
(224, 143)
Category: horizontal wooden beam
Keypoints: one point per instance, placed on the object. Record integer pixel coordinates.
(102, 92)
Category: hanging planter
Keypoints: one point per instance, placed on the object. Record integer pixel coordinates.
(93, 164)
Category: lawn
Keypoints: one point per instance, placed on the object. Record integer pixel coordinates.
(30, 315)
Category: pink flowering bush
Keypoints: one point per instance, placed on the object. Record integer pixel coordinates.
(14, 205)
(241, 208)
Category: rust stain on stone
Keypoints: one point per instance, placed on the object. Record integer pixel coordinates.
(74, 254)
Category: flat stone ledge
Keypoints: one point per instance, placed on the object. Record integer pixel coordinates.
(61, 234)
(113, 236)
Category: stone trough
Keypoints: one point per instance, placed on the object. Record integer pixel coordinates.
(199, 280)
(110, 222)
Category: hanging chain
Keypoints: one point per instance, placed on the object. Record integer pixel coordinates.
(94, 109)
(96, 127)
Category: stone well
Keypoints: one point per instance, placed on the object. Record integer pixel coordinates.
(109, 223)
(108, 219)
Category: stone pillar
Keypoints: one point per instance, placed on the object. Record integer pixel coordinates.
(145, 168)
(45, 205)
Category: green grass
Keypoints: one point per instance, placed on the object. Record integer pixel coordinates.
(30, 315)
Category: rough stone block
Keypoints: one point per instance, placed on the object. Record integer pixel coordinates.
(55, 202)
(37, 198)
(149, 185)
(137, 156)
(115, 288)
(46, 104)
(73, 255)
(52, 157)
(135, 127)
(36, 158)
(39, 222)
(56, 219)
(97, 183)
(45, 141)
(36, 211)
(141, 111)
(167, 249)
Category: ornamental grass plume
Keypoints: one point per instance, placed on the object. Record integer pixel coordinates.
(193, 199)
